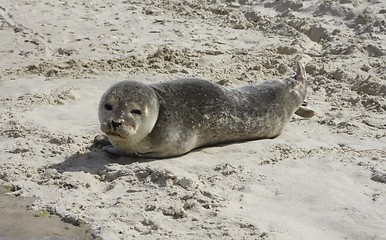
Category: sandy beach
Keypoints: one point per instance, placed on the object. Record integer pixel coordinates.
(322, 178)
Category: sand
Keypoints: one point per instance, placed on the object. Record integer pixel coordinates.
(19, 222)
(323, 178)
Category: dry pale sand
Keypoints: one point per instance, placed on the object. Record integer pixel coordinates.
(323, 178)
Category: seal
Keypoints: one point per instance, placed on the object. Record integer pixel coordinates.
(171, 118)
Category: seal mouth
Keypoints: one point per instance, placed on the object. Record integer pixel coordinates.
(114, 135)
(121, 132)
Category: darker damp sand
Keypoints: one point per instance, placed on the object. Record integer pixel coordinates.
(17, 222)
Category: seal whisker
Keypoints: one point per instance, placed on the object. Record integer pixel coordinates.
(143, 146)
(93, 124)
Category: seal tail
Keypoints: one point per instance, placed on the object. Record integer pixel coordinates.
(301, 80)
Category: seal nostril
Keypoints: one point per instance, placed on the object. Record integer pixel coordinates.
(108, 107)
(115, 124)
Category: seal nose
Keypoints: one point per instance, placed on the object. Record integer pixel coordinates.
(116, 124)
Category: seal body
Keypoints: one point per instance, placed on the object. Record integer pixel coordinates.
(181, 115)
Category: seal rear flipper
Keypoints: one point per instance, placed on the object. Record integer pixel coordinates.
(305, 112)
(300, 72)
(298, 82)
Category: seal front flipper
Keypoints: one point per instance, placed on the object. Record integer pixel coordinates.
(115, 151)
(101, 141)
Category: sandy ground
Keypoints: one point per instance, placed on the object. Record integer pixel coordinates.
(323, 178)
(19, 222)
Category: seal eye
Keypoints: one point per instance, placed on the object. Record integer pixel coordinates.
(108, 107)
(136, 112)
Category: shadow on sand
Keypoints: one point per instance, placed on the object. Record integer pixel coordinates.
(94, 161)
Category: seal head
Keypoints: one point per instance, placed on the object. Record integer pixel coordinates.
(128, 111)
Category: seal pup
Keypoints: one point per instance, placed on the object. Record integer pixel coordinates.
(171, 118)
